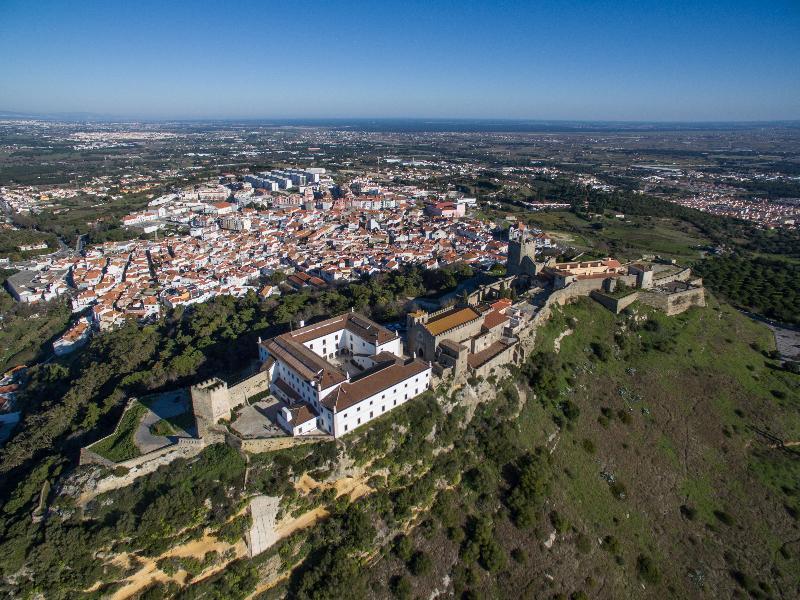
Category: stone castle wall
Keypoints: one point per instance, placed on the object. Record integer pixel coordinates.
(255, 384)
(258, 445)
(615, 305)
(89, 457)
(682, 275)
(504, 358)
(675, 303)
(139, 466)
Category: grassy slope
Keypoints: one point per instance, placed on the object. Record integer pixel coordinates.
(693, 449)
(686, 443)
(120, 446)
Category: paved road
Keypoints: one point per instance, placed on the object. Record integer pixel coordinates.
(787, 337)
(168, 405)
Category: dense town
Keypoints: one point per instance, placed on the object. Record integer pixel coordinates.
(313, 233)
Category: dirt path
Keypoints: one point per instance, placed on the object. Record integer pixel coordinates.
(354, 487)
(557, 341)
(150, 573)
(785, 445)
(306, 484)
(307, 519)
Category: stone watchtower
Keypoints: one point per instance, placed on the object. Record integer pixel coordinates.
(644, 275)
(521, 253)
(211, 402)
(416, 335)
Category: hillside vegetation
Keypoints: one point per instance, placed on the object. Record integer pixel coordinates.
(629, 455)
(634, 467)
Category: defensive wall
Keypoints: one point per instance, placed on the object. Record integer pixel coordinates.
(490, 291)
(509, 355)
(615, 305)
(684, 274)
(258, 445)
(87, 456)
(248, 387)
(673, 303)
(584, 287)
(139, 466)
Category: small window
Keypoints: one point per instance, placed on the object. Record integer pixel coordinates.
(345, 427)
(359, 420)
(395, 402)
(370, 414)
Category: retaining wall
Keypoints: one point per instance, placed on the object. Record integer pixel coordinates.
(262, 535)
(682, 275)
(88, 457)
(143, 465)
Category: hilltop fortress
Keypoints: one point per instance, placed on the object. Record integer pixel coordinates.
(328, 379)
(331, 377)
(334, 376)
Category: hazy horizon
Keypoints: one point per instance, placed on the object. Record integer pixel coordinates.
(591, 61)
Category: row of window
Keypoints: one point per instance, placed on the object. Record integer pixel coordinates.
(371, 414)
(383, 408)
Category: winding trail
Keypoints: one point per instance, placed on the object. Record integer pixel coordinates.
(561, 336)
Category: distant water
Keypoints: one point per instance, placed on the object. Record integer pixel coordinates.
(422, 125)
(509, 125)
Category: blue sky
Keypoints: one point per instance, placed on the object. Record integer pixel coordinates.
(536, 60)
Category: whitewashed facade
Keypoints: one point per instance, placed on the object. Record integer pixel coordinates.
(301, 374)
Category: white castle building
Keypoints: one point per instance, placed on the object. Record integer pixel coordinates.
(339, 374)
